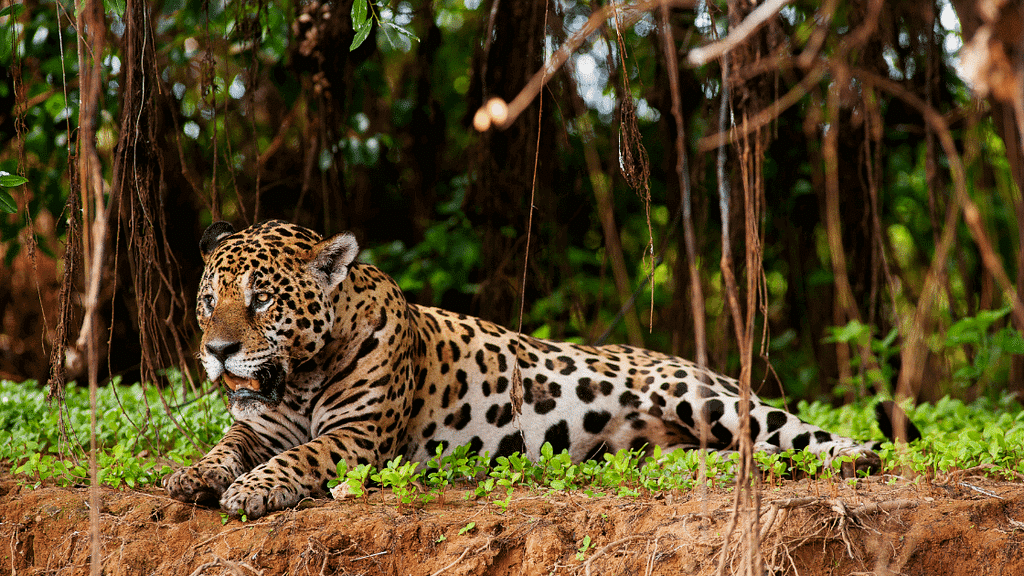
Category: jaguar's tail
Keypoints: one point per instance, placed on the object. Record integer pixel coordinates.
(894, 423)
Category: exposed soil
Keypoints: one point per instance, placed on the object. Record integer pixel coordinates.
(961, 526)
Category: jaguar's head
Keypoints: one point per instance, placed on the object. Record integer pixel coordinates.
(265, 305)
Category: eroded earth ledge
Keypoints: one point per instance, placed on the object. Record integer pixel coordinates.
(960, 525)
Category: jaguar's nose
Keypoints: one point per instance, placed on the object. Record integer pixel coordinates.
(222, 349)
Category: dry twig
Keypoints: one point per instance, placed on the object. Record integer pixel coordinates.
(382, 552)
(496, 113)
(750, 24)
(981, 490)
(866, 509)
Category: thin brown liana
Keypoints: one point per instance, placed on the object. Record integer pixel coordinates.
(913, 357)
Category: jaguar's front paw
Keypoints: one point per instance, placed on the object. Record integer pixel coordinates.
(251, 498)
(198, 484)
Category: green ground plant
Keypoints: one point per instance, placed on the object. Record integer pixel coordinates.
(137, 435)
(585, 547)
(139, 441)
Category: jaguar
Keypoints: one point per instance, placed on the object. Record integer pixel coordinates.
(325, 360)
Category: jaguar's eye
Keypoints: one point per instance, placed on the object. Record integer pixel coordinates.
(261, 300)
(207, 301)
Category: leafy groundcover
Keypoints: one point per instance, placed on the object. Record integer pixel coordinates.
(951, 503)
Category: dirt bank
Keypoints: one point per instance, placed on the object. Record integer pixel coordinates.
(965, 526)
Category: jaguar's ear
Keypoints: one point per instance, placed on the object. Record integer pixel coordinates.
(213, 236)
(331, 258)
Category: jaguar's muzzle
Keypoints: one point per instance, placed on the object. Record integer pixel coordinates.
(266, 387)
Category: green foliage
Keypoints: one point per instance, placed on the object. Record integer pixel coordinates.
(988, 347)
(557, 470)
(115, 6)
(509, 472)
(134, 437)
(361, 23)
(987, 432)
(878, 374)
(403, 479)
(977, 348)
(363, 19)
(443, 262)
(583, 549)
(133, 431)
(7, 203)
(774, 466)
(354, 479)
(13, 11)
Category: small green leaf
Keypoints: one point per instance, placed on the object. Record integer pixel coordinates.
(361, 23)
(362, 32)
(12, 180)
(7, 202)
(988, 317)
(359, 15)
(13, 10)
(583, 549)
(7, 34)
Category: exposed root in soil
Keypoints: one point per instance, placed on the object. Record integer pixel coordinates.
(235, 568)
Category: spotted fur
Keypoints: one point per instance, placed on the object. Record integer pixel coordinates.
(327, 361)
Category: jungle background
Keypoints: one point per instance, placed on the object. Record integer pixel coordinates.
(856, 165)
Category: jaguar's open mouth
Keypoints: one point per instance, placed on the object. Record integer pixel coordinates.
(265, 387)
(236, 383)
